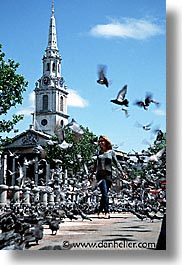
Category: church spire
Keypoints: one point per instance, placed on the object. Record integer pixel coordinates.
(52, 38)
(50, 90)
(52, 8)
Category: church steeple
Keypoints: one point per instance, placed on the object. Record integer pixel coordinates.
(51, 92)
(52, 38)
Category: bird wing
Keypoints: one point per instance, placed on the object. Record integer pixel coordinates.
(139, 103)
(76, 128)
(60, 133)
(148, 99)
(64, 145)
(101, 74)
(122, 93)
(148, 125)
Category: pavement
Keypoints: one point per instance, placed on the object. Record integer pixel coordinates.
(123, 231)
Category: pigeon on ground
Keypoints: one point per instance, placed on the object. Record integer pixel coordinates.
(84, 216)
(54, 226)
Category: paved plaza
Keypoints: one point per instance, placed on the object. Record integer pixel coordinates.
(123, 231)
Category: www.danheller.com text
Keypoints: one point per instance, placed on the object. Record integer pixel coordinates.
(122, 244)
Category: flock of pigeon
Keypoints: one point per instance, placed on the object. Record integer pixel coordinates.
(121, 96)
(143, 195)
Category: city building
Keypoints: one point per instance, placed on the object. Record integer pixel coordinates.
(50, 114)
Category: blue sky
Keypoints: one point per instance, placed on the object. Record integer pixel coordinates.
(129, 37)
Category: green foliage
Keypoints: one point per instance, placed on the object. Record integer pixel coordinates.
(159, 144)
(12, 86)
(80, 153)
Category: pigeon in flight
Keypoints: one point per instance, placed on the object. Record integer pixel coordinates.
(102, 78)
(124, 110)
(75, 127)
(156, 157)
(145, 104)
(60, 133)
(120, 100)
(144, 127)
(64, 145)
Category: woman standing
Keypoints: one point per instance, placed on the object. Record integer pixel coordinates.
(103, 169)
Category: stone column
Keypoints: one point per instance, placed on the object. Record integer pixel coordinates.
(1, 169)
(43, 197)
(3, 195)
(5, 169)
(36, 171)
(51, 198)
(57, 194)
(24, 170)
(47, 173)
(13, 175)
(26, 196)
(65, 176)
(36, 194)
(16, 194)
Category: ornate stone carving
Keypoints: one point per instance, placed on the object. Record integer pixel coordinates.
(30, 138)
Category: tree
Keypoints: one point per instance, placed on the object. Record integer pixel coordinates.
(80, 154)
(12, 86)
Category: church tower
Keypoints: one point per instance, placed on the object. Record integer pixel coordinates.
(50, 91)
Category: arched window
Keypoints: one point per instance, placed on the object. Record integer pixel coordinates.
(62, 123)
(45, 102)
(53, 67)
(61, 103)
(48, 66)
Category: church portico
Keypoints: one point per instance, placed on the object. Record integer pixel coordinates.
(20, 159)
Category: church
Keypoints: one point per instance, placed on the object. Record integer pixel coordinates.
(50, 113)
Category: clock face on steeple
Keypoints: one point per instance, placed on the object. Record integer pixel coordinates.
(46, 80)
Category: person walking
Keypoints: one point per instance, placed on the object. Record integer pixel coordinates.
(103, 169)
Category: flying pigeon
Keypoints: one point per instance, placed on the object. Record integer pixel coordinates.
(124, 110)
(144, 127)
(75, 127)
(145, 104)
(102, 78)
(60, 133)
(64, 145)
(120, 100)
(156, 157)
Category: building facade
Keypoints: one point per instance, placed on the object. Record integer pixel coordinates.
(50, 91)
(23, 155)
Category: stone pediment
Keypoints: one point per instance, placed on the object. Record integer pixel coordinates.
(29, 138)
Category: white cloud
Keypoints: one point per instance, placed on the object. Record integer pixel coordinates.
(30, 106)
(128, 28)
(159, 112)
(31, 99)
(75, 100)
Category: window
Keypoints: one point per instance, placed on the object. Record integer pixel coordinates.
(61, 103)
(45, 102)
(48, 66)
(62, 123)
(53, 67)
(44, 122)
